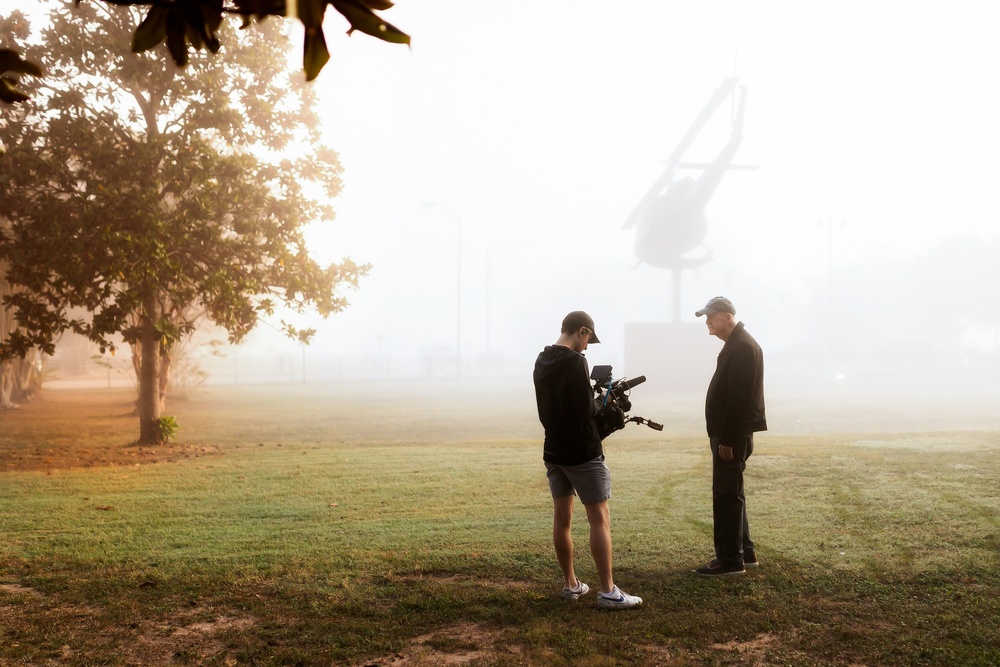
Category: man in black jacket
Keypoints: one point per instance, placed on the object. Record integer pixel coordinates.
(734, 411)
(574, 456)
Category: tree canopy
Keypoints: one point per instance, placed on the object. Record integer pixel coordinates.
(147, 196)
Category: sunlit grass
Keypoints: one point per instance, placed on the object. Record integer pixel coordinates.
(342, 530)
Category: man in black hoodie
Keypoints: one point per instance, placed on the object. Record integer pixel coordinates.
(574, 456)
(734, 411)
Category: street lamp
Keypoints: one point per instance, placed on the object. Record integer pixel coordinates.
(458, 284)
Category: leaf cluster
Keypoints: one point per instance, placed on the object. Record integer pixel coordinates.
(14, 28)
(11, 65)
(196, 23)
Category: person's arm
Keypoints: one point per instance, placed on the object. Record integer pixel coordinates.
(585, 405)
(739, 398)
(740, 374)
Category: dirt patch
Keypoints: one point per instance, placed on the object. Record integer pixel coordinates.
(15, 458)
(181, 639)
(469, 643)
(459, 644)
(755, 652)
(167, 644)
(18, 589)
(82, 429)
(753, 649)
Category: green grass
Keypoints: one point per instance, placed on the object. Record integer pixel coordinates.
(357, 525)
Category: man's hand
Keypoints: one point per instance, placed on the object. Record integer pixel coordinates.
(725, 453)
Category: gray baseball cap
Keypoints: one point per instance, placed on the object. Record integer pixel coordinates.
(717, 304)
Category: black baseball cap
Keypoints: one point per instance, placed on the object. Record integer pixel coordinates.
(578, 319)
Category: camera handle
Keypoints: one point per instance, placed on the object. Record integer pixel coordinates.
(648, 422)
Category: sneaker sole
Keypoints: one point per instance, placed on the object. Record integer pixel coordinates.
(736, 573)
(751, 566)
(570, 596)
(612, 607)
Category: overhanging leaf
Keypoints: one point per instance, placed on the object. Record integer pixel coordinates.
(177, 39)
(152, 30)
(260, 8)
(10, 93)
(199, 30)
(213, 16)
(362, 18)
(311, 12)
(315, 54)
(10, 61)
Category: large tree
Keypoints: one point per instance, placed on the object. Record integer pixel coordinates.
(145, 194)
(20, 377)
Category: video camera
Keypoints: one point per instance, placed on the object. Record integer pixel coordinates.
(612, 416)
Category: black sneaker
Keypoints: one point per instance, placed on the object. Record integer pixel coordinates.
(717, 569)
(749, 562)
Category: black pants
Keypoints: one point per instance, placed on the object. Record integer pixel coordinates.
(729, 505)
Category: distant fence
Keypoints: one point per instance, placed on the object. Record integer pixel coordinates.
(976, 376)
(240, 369)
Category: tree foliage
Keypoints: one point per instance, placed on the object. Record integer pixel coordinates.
(142, 194)
(12, 65)
(197, 24)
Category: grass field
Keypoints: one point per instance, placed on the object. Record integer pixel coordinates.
(409, 524)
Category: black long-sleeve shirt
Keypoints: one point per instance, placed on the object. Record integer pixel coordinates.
(566, 406)
(734, 406)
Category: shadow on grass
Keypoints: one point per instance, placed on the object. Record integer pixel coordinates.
(784, 613)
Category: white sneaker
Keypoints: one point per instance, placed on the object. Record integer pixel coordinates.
(618, 599)
(573, 594)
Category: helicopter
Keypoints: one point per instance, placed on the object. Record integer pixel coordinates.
(670, 220)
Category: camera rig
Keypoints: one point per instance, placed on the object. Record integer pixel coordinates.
(612, 416)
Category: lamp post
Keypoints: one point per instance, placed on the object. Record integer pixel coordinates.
(458, 284)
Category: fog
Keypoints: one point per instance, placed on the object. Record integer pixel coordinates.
(491, 168)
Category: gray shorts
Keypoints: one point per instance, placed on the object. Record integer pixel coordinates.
(591, 480)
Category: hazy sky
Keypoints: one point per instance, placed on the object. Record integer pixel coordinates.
(541, 124)
(538, 126)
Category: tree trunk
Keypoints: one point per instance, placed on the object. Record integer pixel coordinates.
(20, 378)
(165, 364)
(28, 376)
(166, 359)
(149, 376)
(6, 385)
